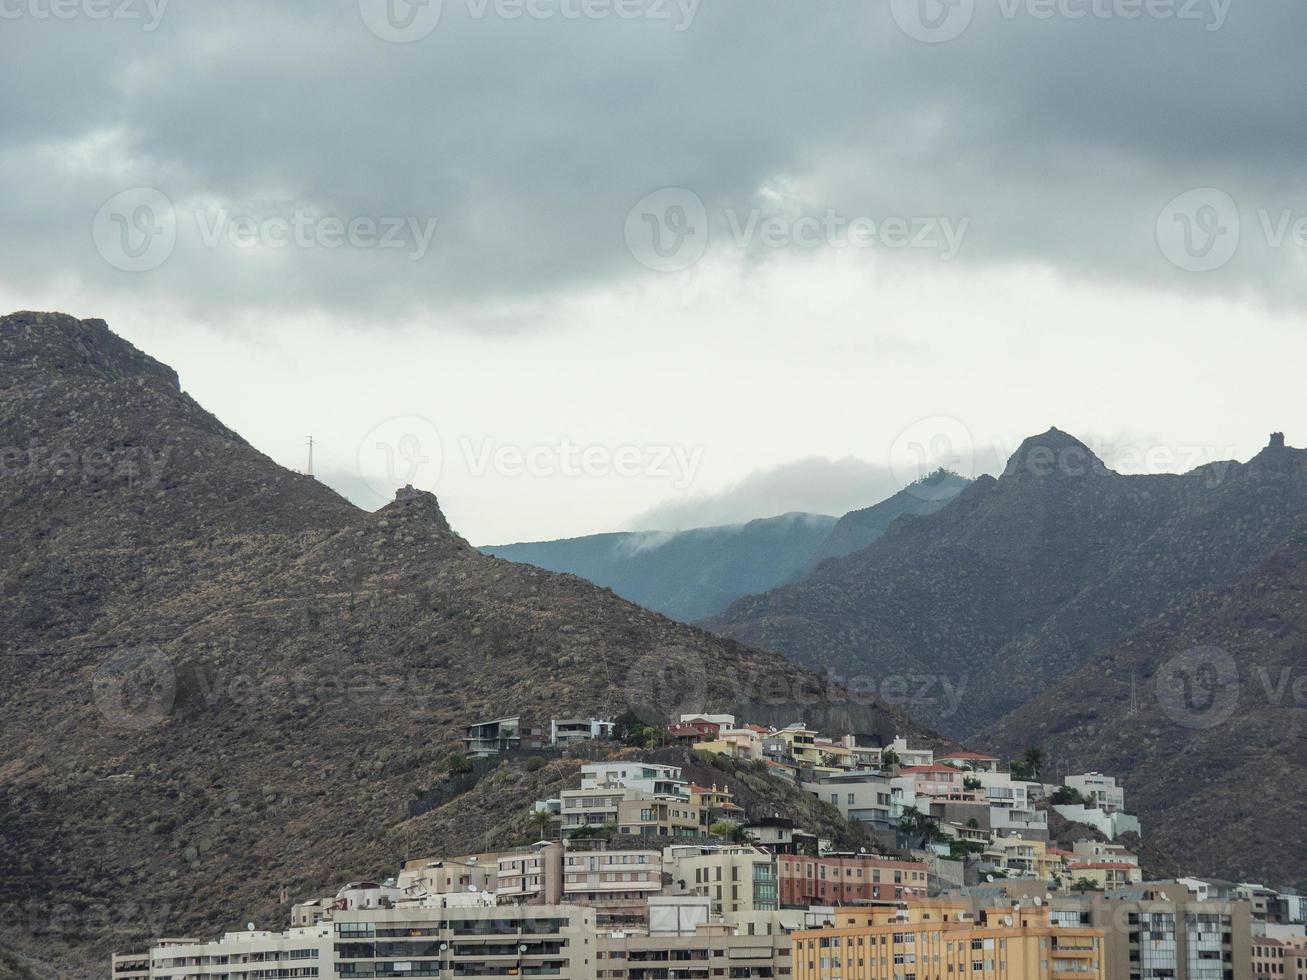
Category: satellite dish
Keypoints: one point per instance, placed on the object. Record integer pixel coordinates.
(444, 946)
(522, 948)
(1038, 901)
(471, 888)
(1007, 920)
(249, 927)
(989, 877)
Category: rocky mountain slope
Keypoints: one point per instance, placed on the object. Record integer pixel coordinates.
(1204, 713)
(1021, 580)
(222, 680)
(859, 528)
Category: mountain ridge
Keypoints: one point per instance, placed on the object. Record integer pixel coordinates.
(224, 681)
(1023, 578)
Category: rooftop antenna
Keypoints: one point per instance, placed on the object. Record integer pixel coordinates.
(310, 441)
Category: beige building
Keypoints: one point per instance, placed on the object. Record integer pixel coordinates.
(253, 955)
(533, 875)
(616, 883)
(448, 876)
(734, 878)
(130, 966)
(738, 951)
(1022, 856)
(1153, 931)
(1103, 875)
(935, 939)
(647, 816)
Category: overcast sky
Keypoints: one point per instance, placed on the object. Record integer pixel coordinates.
(579, 265)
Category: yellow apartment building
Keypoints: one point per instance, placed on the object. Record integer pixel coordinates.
(942, 940)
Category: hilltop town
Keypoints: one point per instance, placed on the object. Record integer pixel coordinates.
(640, 873)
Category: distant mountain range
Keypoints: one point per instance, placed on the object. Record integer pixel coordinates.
(693, 574)
(1021, 580)
(222, 679)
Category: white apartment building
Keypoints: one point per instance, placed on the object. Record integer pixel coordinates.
(647, 777)
(1103, 790)
(858, 795)
(909, 756)
(564, 731)
(461, 936)
(1110, 824)
(302, 952)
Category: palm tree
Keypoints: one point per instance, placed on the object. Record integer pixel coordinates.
(1034, 758)
(456, 764)
(541, 822)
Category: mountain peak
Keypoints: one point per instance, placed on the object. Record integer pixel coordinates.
(56, 341)
(413, 506)
(1053, 453)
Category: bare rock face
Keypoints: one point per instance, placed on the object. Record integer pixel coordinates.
(223, 680)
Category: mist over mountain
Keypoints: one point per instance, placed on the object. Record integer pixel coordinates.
(686, 575)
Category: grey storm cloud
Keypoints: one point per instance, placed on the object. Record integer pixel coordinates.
(497, 157)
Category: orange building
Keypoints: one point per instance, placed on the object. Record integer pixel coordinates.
(942, 940)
